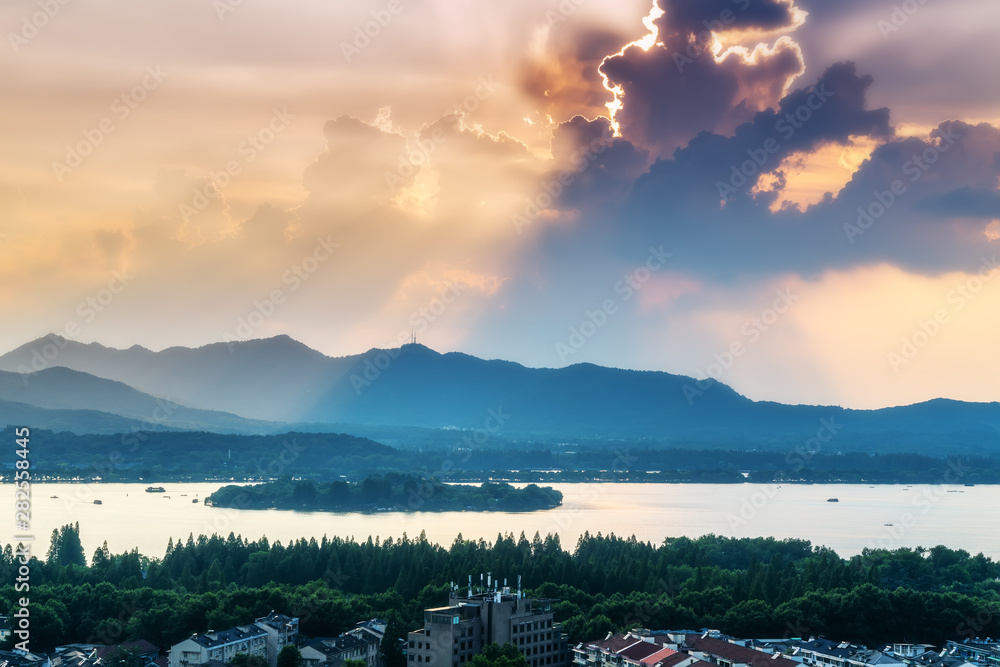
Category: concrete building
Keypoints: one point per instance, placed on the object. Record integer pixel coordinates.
(221, 646)
(453, 634)
(281, 630)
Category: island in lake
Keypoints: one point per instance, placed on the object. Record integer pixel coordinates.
(390, 492)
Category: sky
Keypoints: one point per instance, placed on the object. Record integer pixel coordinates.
(797, 198)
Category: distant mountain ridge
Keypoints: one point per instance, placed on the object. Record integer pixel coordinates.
(280, 380)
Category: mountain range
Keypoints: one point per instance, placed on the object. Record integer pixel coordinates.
(277, 384)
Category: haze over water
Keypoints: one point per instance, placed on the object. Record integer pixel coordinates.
(920, 515)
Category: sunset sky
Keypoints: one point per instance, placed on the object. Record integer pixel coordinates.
(803, 193)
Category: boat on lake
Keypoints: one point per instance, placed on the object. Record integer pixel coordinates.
(155, 489)
(833, 500)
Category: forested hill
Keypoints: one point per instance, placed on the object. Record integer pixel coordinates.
(186, 456)
(392, 492)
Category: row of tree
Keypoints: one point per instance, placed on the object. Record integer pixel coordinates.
(748, 587)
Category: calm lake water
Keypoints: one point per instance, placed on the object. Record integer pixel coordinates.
(957, 516)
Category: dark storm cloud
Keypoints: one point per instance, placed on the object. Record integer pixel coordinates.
(693, 16)
(602, 167)
(701, 204)
(676, 89)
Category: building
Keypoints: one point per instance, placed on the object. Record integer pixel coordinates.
(823, 652)
(281, 630)
(333, 651)
(221, 646)
(942, 658)
(76, 655)
(22, 659)
(639, 648)
(5, 629)
(363, 642)
(453, 634)
(982, 652)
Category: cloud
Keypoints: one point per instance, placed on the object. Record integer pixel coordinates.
(599, 168)
(701, 202)
(11, 199)
(680, 81)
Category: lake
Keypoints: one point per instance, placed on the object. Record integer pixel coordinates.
(921, 515)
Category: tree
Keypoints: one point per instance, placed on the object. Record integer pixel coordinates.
(123, 657)
(499, 655)
(392, 652)
(247, 660)
(65, 547)
(290, 656)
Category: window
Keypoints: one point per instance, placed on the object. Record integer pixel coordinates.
(412, 658)
(411, 644)
(463, 646)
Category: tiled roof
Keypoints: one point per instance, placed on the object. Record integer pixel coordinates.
(615, 643)
(241, 633)
(736, 653)
(660, 656)
(639, 650)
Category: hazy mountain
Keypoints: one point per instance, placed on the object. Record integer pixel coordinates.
(282, 380)
(17, 414)
(59, 388)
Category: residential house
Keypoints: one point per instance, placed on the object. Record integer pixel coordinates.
(982, 652)
(823, 652)
(281, 631)
(221, 646)
(22, 659)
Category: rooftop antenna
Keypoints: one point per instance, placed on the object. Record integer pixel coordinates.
(413, 337)
(470, 586)
(518, 587)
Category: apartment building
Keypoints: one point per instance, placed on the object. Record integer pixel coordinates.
(453, 634)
